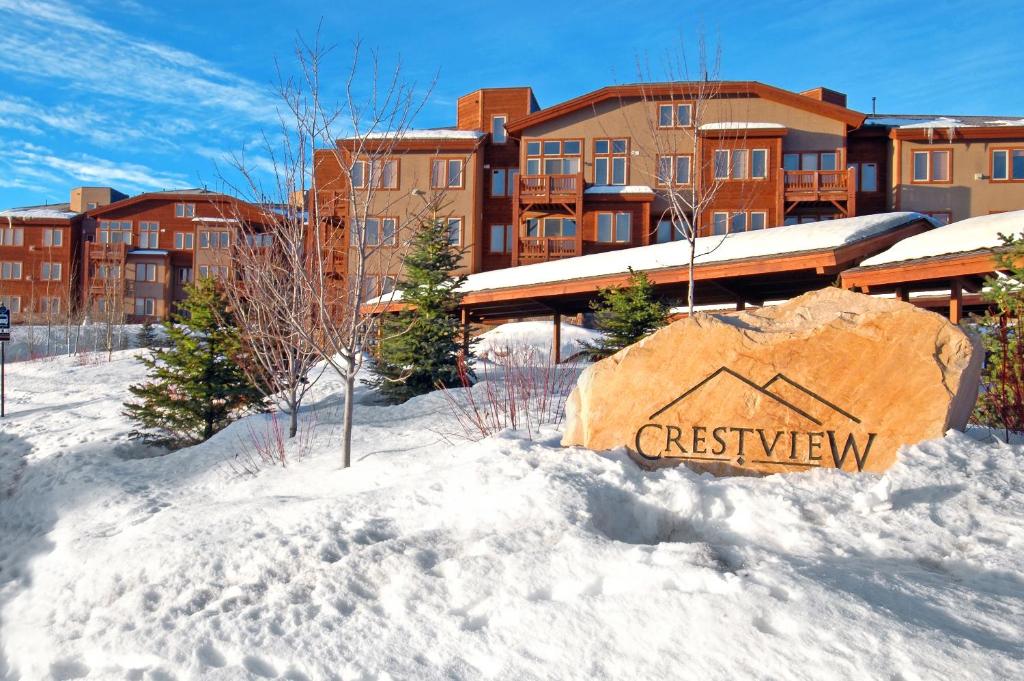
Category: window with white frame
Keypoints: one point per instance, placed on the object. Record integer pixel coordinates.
(758, 164)
(501, 239)
(12, 236)
(145, 272)
(553, 156)
(259, 240)
(455, 231)
(811, 160)
(12, 303)
(49, 305)
(668, 231)
(204, 271)
(1008, 165)
(184, 210)
(184, 241)
(184, 275)
(675, 115)
(731, 222)
(932, 166)
(498, 134)
(145, 307)
(446, 173)
(611, 161)
(503, 181)
(614, 227)
(149, 234)
(10, 270)
(53, 238)
(551, 227)
(384, 173)
(115, 232)
(50, 271)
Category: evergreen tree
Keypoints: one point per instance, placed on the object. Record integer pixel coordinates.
(147, 335)
(625, 315)
(420, 347)
(1001, 401)
(195, 386)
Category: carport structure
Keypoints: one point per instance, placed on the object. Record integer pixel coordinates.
(740, 269)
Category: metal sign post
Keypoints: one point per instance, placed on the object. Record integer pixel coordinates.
(5, 335)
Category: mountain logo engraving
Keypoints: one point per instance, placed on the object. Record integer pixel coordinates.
(783, 425)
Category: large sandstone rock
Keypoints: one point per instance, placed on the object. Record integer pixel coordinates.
(832, 379)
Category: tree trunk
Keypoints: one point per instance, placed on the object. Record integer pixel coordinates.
(346, 425)
(293, 420)
(689, 289)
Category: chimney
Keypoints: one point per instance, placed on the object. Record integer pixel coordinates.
(823, 94)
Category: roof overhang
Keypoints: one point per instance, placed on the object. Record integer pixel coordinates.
(685, 89)
(425, 145)
(988, 132)
(922, 271)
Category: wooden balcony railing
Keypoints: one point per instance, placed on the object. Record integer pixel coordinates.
(98, 251)
(541, 248)
(550, 188)
(817, 184)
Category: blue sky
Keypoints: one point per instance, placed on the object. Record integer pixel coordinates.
(152, 95)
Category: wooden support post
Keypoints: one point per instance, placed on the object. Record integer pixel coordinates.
(741, 305)
(557, 347)
(956, 300)
(465, 332)
(903, 293)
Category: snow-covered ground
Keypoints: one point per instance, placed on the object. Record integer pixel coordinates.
(539, 335)
(36, 341)
(501, 559)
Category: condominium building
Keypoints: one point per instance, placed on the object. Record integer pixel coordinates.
(612, 169)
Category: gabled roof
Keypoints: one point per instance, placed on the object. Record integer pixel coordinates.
(681, 88)
(166, 195)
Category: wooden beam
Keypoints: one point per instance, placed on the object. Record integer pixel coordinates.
(903, 293)
(557, 348)
(956, 300)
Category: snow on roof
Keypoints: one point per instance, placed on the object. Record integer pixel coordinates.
(742, 125)
(233, 220)
(924, 121)
(973, 234)
(148, 251)
(619, 189)
(431, 134)
(56, 211)
(813, 236)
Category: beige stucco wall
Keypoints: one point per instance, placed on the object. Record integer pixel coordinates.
(414, 173)
(966, 196)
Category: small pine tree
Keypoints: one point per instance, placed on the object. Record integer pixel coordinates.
(625, 315)
(195, 387)
(147, 335)
(1001, 401)
(420, 348)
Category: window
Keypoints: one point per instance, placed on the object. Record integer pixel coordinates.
(610, 161)
(674, 169)
(204, 271)
(184, 241)
(149, 234)
(12, 236)
(145, 272)
(145, 307)
(50, 271)
(675, 115)
(259, 240)
(384, 174)
(740, 164)
(759, 164)
(1008, 165)
(358, 174)
(557, 227)
(553, 157)
(932, 166)
(108, 272)
(865, 175)
(184, 210)
(10, 270)
(614, 227)
(116, 231)
(810, 160)
(184, 275)
(204, 239)
(733, 222)
(12, 303)
(455, 231)
(379, 231)
(387, 285)
(503, 181)
(225, 239)
(501, 239)
(53, 237)
(49, 305)
(446, 173)
(91, 205)
(498, 135)
(669, 232)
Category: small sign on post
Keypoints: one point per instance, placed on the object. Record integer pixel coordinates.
(5, 335)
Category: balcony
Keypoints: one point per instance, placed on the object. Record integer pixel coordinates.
(539, 189)
(98, 251)
(818, 185)
(542, 248)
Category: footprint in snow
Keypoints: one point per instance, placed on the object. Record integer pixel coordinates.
(258, 667)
